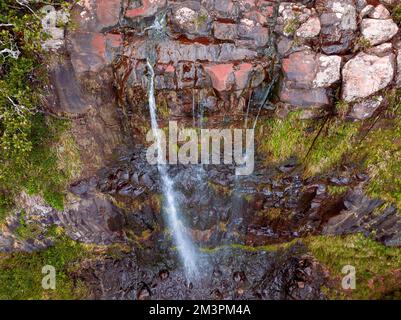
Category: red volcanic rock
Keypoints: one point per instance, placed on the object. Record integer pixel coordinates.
(114, 40)
(108, 12)
(148, 8)
(306, 77)
(300, 68)
(87, 51)
(242, 75)
(221, 76)
(98, 44)
(224, 76)
(113, 46)
(92, 51)
(96, 15)
(170, 68)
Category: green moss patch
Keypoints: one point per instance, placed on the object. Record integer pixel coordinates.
(319, 145)
(21, 273)
(380, 153)
(337, 190)
(280, 139)
(234, 246)
(376, 265)
(334, 141)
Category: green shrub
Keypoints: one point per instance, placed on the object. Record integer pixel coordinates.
(38, 172)
(27, 156)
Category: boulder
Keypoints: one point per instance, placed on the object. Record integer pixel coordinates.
(92, 51)
(191, 19)
(366, 74)
(97, 15)
(380, 50)
(108, 13)
(299, 68)
(310, 29)
(380, 12)
(367, 10)
(243, 75)
(378, 31)
(345, 16)
(339, 23)
(224, 9)
(365, 109)
(328, 70)
(305, 69)
(306, 75)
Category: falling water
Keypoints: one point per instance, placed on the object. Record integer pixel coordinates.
(186, 249)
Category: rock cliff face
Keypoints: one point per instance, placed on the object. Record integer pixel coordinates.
(217, 53)
(215, 59)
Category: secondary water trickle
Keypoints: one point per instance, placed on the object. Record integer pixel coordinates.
(186, 249)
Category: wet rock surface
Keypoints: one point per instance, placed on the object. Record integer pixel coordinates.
(368, 216)
(231, 274)
(268, 207)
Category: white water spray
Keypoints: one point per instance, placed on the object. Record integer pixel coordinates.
(185, 247)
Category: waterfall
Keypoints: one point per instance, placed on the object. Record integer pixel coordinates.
(186, 250)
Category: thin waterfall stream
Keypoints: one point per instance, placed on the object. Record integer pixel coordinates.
(186, 249)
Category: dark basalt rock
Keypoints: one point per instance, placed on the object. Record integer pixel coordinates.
(288, 274)
(93, 219)
(111, 278)
(367, 216)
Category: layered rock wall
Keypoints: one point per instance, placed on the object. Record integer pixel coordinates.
(215, 53)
